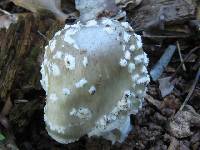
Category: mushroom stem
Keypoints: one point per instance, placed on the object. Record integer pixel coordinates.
(95, 9)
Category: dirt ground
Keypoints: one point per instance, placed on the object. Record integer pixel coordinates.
(169, 122)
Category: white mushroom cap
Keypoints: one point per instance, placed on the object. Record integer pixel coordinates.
(92, 83)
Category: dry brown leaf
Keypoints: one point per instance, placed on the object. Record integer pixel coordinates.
(183, 121)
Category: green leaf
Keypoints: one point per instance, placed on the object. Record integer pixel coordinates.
(2, 137)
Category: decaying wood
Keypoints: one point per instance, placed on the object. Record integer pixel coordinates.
(172, 11)
(21, 49)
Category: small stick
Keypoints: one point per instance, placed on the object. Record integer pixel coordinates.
(21, 101)
(186, 58)
(191, 90)
(180, 55)
(165, 36)
(5, 12)
(45, 38)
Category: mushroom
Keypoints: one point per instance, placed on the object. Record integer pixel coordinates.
(37, 6)
(94, 74)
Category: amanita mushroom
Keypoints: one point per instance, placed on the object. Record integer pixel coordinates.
(94, 74)
(40, 5)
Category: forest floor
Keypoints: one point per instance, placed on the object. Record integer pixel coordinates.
(170, 116)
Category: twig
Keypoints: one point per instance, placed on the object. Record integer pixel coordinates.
(185, 59)
(5, 12)
(180, 55)
(21, 101)
(165, 36)
(191, 90)
(45, 38)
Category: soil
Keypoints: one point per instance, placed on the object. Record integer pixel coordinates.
(22, 103)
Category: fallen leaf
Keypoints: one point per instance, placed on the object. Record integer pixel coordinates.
(165, 86)
(183, 121)
(2, 137)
